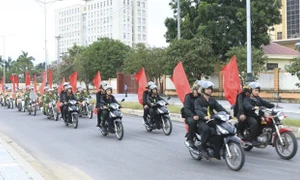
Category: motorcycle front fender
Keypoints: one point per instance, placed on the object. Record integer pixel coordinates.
(166, 116)
(281, 130)
(232, 138)
(118, 120)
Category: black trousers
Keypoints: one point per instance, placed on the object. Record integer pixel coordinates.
(105, 114)
(205, 132)
(192, 127)
(146, 112)
(99, 113)
(152, 113)
(64, 112)
(253, 123)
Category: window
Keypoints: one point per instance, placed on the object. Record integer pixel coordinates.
(272, 66)
(124, 2)
(97, 5)
(144, 37)
(144, 21)
(144, 13)
(104, 3)
(128, 2)
(144, 29)
(292, 11)
(139, 28)
(111, 2)
(139, 20)
(124, 35)
(139, 37)
(101, 4)
(138, 4)
(91, 7)
(144, 5)
(139, 12)
(107, 2)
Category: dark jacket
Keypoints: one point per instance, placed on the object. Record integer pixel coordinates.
(98, 98)
(202, 106)
(249, 104)
(153, 99)
(107, 100)
(239, 107)
(62, 96)
(188, 105)
(68, 96)
(145, 96)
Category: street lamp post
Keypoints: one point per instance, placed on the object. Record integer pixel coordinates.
(298, 47)
(249, 49)
(3, 58)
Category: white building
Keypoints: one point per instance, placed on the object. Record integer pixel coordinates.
(124, 20)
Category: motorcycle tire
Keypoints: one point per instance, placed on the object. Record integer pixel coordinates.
(56, 114)
(167, 126)
(119, 128)
(75, 121)
(279, 147)
(238, 155)
(90, 113)
(34, 111)
(196, 157)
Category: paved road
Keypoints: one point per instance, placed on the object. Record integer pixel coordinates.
(81, 153)
(292, 110)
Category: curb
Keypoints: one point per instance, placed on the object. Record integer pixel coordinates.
(35, 175)
(177, 118)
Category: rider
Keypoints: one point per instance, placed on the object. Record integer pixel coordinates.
(252, 103)
(189, 111)
(61, 98)
(26, 96)
(99, 94)
(153, 97)
(106, 100)
(205, 106)
(50, 97)
(32, 95)
(44, 99)
(68, 95)
(81, 95)
(239, 110)
(145, 96)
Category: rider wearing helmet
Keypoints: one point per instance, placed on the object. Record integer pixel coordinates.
(145, 96)
(106, 100)
(251, 103)
(99, 94)
(81, 95)
(66, 97)
(205, 106)
(45, 100)
(61, 98)
(153, 97)
(189, 112)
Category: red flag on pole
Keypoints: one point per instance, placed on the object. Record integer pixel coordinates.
(34, 83)
(50, 78)
(180, 82)
(43, 83)
(60, 87)
(142, 82)
(27, 78)
(73, 81)
(97, 80)
(231, 79)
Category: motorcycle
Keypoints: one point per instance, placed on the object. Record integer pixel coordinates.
(272, 133)
(86, 109)
(116, 116)
(10, 102)
(230, 147)
(21, 105)
(72, 115)
(2, 100)
(52, 110)
(32, 107)
(162, 118)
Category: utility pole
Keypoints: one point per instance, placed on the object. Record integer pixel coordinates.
(249, 49)
(178, 18)
(58, 51)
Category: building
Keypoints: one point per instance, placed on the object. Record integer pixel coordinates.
(288, 32)
(124, 20)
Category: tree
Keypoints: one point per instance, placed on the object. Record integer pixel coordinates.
(152, 59)
(224, 22)
(195, 54)
(258, 60)
(294, 69)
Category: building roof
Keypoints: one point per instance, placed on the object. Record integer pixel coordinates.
(274, 48)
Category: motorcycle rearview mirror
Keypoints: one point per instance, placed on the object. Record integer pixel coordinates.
(169, 98)
(122, 100)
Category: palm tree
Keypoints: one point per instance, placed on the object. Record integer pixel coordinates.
(9, 63)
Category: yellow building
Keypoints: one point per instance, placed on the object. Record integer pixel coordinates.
(288, 32)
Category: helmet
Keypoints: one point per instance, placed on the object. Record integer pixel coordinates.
(153, 86)
(28, 87)
(150, 83)
(46, 88)
(198, 84)
(68, 87)
(207, 85)
(254, 85)
(55, 87)
(50, 90)
(66, 84)
(246, 88)
(107, 87)
(79, 87)
(103, 84)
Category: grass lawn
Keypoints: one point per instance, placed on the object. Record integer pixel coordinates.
(291, 122)
(136, 105)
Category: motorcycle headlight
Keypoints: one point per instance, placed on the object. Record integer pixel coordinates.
(222, 130)
(112, 114)
(160, 111)
(280, 116)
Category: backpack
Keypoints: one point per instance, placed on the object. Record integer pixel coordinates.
(236, 107)
(182, 109)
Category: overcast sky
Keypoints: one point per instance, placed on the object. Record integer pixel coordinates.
(22, 22)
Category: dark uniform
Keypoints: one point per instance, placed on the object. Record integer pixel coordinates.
(189, 112)
(252, 118)
(106, 100)
(66, 97)
(152, 98)
(61, 99)
(146, 110)
(99, 110)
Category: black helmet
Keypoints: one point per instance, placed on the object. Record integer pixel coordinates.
(246, 88)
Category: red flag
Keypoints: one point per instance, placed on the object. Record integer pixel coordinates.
(2, 84)
(97, 80)
(34, 83)
(231, 81)
(58, 105)
(60, 87)
(142, 81)
(27, 79)
(43, 83)
(180, 82)
(50, 78)
(73, 81)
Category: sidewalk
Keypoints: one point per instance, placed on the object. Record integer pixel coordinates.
(13, 166)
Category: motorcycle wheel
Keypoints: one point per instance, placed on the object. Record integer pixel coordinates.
(149, 129)
(90, 113)
(34, 111)
(288, 142)
(197, 157)
(119, 130)
(55, 115)
(19, 107)
(103, 132)
(75, 121)
(236, 162)
(167, 126)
